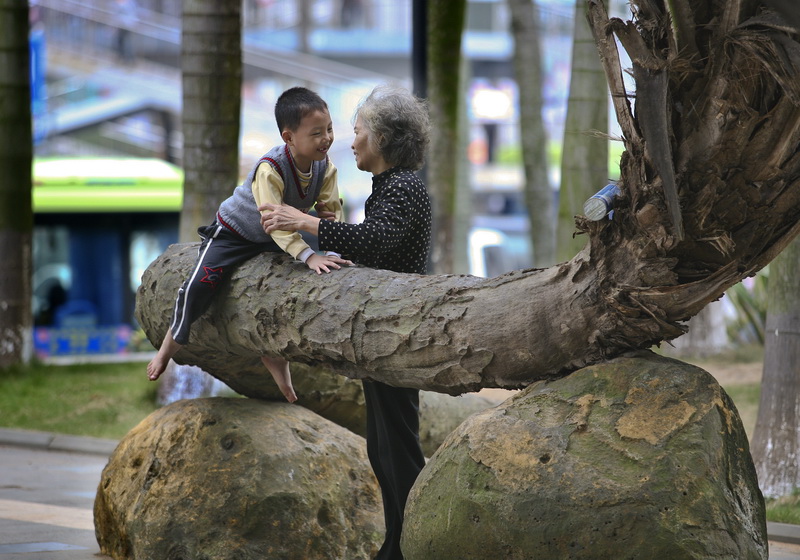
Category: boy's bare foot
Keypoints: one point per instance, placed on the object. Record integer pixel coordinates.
(156, 367)
(279, 368)
(158, 364)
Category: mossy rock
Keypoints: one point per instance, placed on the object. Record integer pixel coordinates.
(641, 457)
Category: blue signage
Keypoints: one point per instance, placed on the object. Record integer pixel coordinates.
(38, 85)
(72, 341)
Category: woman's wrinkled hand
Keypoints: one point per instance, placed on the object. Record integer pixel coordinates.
(281, 217)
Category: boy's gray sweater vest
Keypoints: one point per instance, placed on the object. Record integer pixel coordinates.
(240, 213)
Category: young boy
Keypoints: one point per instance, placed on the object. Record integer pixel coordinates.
(298, 173)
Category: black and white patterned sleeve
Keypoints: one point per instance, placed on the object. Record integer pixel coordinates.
(382, 231)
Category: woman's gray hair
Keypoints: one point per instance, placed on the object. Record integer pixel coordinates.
(398, 125)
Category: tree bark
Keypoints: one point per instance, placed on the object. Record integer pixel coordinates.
(776, 439)
(734, 116)
(16, 211)
(538, 194)
(211, 67)
(445, 28)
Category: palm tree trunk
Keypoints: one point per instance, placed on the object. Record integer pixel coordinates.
(16, 212)
(776, 439)
(528, 69)
(445, 27)
(584, 156)
(211, 64)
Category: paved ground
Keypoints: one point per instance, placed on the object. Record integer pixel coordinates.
(47, 489)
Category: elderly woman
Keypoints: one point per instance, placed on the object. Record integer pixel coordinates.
(391, 138)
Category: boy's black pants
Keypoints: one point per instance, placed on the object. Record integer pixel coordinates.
(219, 253)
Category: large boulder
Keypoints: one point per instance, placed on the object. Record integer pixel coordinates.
(235, 478)
(641, 457)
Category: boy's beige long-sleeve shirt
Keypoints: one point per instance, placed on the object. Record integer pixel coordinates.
(268, 189)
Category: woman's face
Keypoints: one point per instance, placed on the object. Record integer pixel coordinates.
(367, 156)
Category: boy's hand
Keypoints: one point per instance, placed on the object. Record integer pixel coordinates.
(323, 213)
(325, 263)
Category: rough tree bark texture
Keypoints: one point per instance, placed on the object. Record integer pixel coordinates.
(776, 438)
(538, 195)
(211, 66)
(445, 29)
(16, 212)
(720, 94)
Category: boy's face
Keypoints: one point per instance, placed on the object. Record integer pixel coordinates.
(312, 139)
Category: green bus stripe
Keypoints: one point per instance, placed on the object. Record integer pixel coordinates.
(106, 185)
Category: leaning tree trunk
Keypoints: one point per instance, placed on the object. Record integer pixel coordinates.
(16, 213)
(710, 194)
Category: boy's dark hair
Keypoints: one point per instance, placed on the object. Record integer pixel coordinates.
(294, 104)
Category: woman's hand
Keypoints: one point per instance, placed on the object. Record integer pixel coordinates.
(287, 218)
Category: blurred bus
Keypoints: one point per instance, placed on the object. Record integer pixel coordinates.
(98, 223)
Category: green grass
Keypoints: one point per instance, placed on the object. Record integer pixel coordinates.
(98, 400)
(785, 509)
